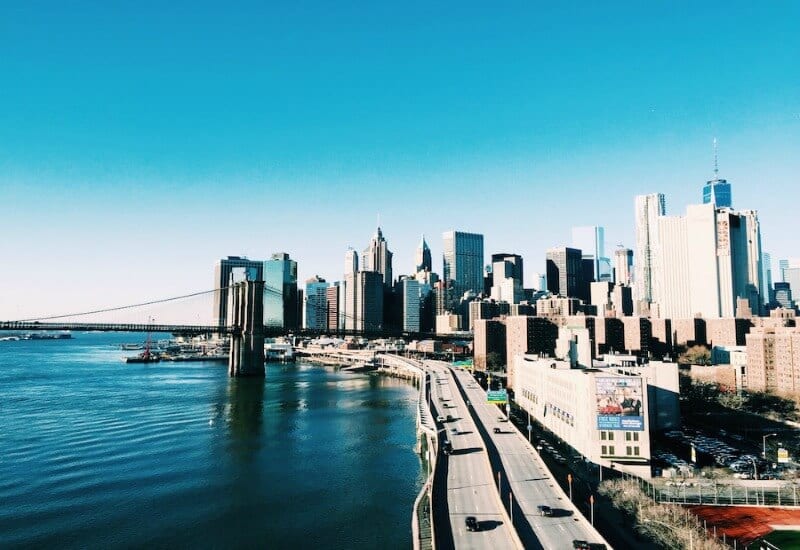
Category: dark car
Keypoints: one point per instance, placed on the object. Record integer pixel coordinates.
(472, 523)
(581, 545)
(545, 510)
(497, 430)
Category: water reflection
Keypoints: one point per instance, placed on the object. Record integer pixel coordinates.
(244, 413)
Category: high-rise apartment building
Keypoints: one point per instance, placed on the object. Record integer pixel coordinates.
(377, 257)
(649, 208)
(623, 266)
(565, 272)
(773, 359)
(222, 274)
(422, 258)
(462, 269)
(281, 300)
(315, 298)
(708, 258)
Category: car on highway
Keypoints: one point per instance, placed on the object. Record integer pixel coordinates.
(544, 510)
(454, 431)
(497, 430)
(440, 418)
(471, 523)
(581, 545)
(449, 417)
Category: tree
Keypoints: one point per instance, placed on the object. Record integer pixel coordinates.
(494, 359)
(695, 355)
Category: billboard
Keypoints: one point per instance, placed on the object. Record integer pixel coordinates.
(497, 396)
(619, 403)
(783, 456)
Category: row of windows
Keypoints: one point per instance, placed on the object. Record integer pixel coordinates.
(608, 450)
(629, 436)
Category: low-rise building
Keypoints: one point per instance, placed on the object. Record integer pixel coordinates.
(602, 414)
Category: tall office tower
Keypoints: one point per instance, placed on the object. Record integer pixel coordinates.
(376, 257)
(564, 272)
(710, 257)
(281, 300)
(369, 300)
(463, 264)
(783, 295)
(766, 278)
(717, 191)
(506, 277)
(315, 312)
(422, 259)
(350, 261)
(349, 301)
(782, 264)
(649, 208)
(790, 273)
(332, 301)
(623, 266)
(590, 240)
(254, 271)
(410, 292)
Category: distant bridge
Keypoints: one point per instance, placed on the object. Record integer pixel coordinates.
(194, 330)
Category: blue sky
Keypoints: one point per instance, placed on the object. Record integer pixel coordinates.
(139, 143)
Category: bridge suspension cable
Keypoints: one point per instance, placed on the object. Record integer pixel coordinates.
(120, 308)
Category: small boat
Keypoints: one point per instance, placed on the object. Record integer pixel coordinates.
(145, 357)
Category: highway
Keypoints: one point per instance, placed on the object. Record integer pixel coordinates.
(530, 480)
(471, 489)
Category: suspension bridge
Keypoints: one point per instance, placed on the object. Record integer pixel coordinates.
(245, 324)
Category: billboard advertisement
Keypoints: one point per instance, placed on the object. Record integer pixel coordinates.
(619, 403)
(783, 456)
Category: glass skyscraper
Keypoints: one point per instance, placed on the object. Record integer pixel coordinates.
(463, 263)
(281, 307)
(718, 193)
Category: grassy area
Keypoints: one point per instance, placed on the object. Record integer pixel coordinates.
(784, 539)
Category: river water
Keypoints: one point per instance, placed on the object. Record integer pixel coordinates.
(102, 454)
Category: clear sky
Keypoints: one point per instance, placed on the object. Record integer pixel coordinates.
(141, 142)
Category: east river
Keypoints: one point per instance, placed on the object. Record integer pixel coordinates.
(97, 453)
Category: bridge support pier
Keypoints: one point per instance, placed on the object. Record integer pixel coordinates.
(247, 337)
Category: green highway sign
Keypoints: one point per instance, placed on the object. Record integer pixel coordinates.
(497, 396)
(465, 364)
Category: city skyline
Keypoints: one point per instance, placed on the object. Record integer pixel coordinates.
(105, 176)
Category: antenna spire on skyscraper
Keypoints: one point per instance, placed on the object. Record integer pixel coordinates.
(716, 161)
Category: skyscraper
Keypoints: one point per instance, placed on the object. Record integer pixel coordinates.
(506, 277)
(590, 240)
(422, 259)
(648, 209)
(709, 258)
(315, 312)
(564, 272)
(222, 275)
(410, 291)
(717, 191)
(766, 278)
(281, 303)
(623, 266)
(377, 257)
(463, 264)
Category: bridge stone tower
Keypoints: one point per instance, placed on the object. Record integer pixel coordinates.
(247, 329)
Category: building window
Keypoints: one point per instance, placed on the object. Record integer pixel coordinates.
(628, 450)
(627, 436)
(636, 436)
(611, 436)
(611, 450)
(603, 437)
(604, 450)
(636, 451)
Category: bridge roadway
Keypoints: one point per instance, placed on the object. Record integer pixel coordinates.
(530, 481)
(471, 490)
(267, 332)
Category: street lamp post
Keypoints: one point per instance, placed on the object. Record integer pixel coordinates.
(569, 480)
(764, 442)
(755, 468)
